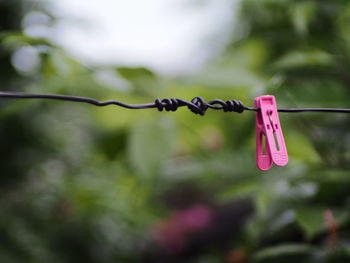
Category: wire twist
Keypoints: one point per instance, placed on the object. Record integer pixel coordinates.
(199, 106)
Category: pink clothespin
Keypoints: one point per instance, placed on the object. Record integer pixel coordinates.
(268, 124)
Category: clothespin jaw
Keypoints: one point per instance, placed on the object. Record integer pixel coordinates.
(268, 127)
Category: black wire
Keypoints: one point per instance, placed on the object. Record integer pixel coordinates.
(197, 105)
(331, 110)
(17, 95)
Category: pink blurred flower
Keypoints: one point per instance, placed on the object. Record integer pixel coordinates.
(172, 233)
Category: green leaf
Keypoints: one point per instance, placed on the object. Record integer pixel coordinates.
(301, 15)
(311, 219)
(302, 150)
(143, 80)
(284, 253)
(135, 73)
(151, 142)
(296, 59)
(225, 77)
(13, 40)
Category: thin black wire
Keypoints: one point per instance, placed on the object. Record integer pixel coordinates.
(197, 105)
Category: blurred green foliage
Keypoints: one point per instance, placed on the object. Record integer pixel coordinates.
(86, 184)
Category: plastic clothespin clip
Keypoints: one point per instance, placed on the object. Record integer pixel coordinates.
(268, 125)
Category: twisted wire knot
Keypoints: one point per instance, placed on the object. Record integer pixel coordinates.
(201, 106)
(233, 106)
(167, 104)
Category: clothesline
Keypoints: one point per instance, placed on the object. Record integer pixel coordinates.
(197, 105)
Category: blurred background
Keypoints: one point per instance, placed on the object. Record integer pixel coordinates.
(87, 184)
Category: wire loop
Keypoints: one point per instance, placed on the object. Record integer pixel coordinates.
(229, 105)
(234, 106)
(167, 104)
(201, 106)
